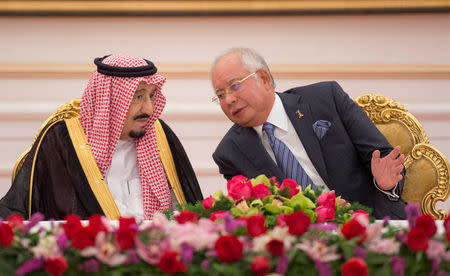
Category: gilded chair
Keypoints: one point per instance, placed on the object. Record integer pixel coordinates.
(427, 169)
(66, 111)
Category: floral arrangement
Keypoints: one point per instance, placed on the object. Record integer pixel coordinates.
(259, 239)
(265, 196)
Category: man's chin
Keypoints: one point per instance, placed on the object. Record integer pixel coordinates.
(137, 134)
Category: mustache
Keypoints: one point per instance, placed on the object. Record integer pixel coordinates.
(141, 116)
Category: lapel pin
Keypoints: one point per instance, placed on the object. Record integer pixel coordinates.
(300, 115)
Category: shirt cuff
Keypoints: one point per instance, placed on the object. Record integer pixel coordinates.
(391, 194)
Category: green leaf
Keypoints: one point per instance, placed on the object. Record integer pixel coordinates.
(260, 179)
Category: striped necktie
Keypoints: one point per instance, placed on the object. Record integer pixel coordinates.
(286, 159)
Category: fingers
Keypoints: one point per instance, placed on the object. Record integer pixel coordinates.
(376, 154)
(394, 153)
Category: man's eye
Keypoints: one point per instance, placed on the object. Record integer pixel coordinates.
(152, 95)
(236, 86)
(220, 95)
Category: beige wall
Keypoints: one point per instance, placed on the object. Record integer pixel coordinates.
(405, 57)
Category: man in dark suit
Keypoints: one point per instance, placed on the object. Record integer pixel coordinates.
(313, 134)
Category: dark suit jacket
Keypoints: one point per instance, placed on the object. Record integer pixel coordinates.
(342, 156)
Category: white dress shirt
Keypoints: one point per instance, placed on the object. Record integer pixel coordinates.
(285, 131)
(124, 182)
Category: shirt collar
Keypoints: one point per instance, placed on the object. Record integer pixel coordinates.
(277, 116)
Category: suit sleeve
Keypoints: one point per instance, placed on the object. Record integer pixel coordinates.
(363, 133)
(226, 168)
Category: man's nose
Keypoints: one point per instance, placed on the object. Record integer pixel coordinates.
(229, 98)
(147, 107)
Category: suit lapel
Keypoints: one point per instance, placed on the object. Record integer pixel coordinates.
(303, 126)
(251, 146)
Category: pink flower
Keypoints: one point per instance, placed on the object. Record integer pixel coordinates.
(435, 249)
(342, 203)
(216, 215)
(208, 202)
(260, 191)
(319, 251)
(385, 246)
(152, 251)
(105, 251)
(291, 185)
(239, 187)
(360, 213)
(327, 199)
(325, 213)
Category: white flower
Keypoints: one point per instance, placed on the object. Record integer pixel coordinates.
(47, 247)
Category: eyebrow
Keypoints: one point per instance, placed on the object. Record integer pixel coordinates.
(140, 90)
(229, 83)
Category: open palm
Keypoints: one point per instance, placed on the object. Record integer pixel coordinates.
(387, 170)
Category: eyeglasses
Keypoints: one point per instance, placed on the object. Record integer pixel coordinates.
(234, 87)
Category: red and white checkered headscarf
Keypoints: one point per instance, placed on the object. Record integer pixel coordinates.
(103, 111)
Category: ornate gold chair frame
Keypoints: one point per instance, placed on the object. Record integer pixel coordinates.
(427, 169)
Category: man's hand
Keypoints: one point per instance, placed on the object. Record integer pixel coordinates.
(387, 170)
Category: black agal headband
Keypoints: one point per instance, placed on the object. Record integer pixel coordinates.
(126, 72)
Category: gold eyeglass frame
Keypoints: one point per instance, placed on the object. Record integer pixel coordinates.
(226, 91)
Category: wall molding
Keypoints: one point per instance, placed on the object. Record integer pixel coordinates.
(45, 70)
(199, 7)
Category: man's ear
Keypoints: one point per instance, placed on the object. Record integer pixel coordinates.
(264, 77)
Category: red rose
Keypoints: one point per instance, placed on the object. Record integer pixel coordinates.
(170, 263)
(96, 225)
(260, 191)
(447, 222)
(73, 223)
(126, 222)
(255, 225)
(83, 237)
(297, 222)
(325, 214)
(56, 266)
(281, 220)
(447, 234)
(208, 202)
(126, 233)
(240, 190)
(15, 220)
(236, 180)
(327, 199)
(216, 215)
(260, 266)
(275, 247)
(353, 229)
(228, 248)
(427, 223)
(417, 240)
(292, 187)
(6, 234)
(355, 267)
(186, 216)
(125, 238)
